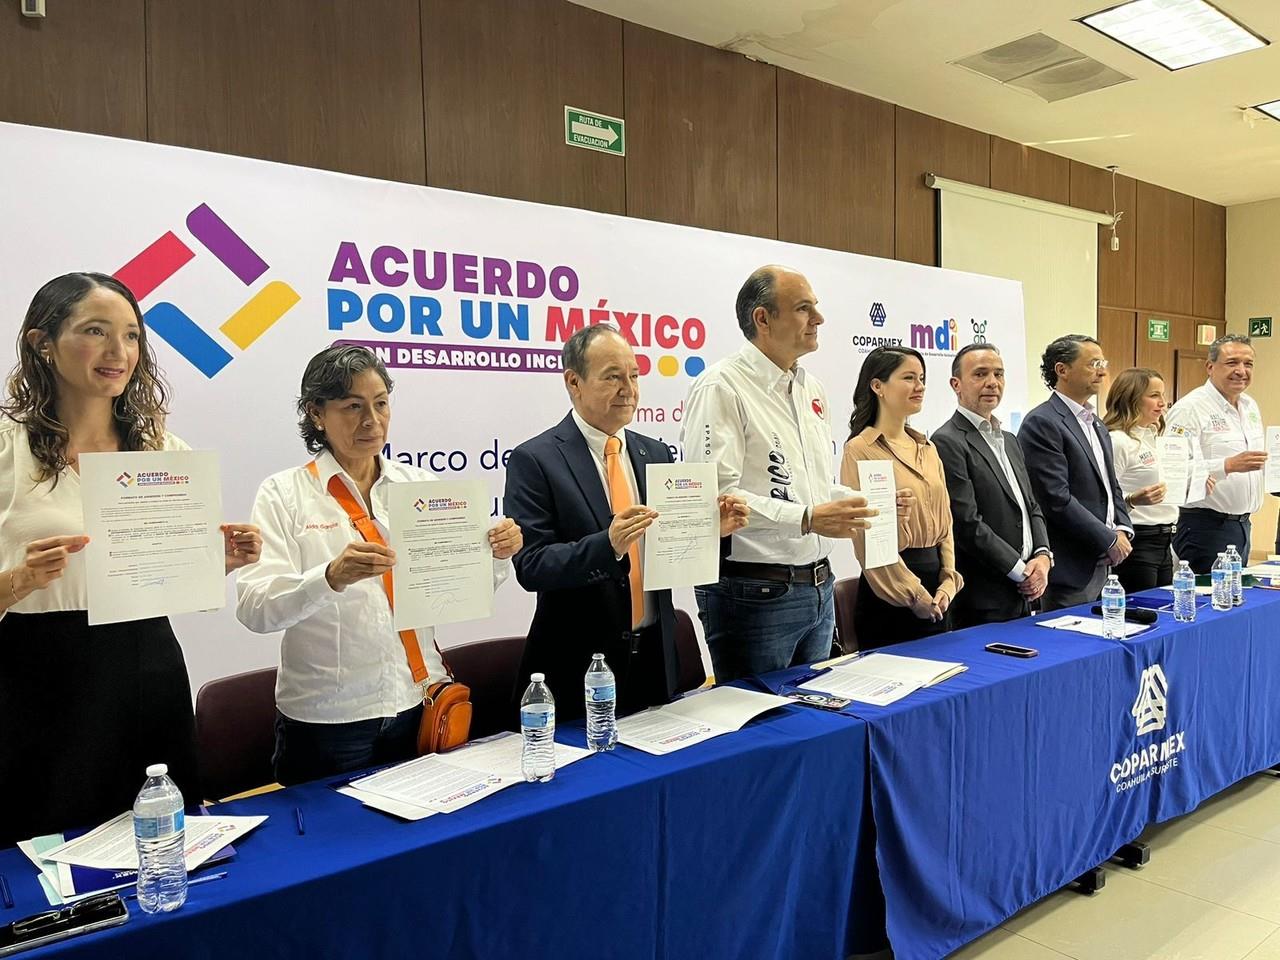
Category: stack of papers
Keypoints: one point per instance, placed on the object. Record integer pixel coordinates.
(442, 783)
(882, 678)
(1093, 626)
(106, 857)
(694, 719)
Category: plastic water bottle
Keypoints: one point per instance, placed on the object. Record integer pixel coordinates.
(1113, 608)
(602, 702)
(159, 830)
(538, 728)
(1221, 577)
(1184, 593)
(1236, 565)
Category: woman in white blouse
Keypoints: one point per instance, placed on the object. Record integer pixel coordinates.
(346, 696)
(83, 709)
(1135, 417)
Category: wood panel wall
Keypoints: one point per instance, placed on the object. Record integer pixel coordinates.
(433, 91)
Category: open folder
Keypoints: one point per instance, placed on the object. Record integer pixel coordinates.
(695, 718)
(881, 678)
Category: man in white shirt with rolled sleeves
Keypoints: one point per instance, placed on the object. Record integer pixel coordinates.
(763, 419)
(1225, 429)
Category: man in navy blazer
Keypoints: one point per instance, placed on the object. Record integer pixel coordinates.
(1068, 457)
(577, 554)
(1002, 545)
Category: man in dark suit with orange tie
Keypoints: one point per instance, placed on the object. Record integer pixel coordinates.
(1002, 546)
(578, 492)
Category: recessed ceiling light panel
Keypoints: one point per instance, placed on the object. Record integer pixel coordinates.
(1175, 33)
(1271, 109)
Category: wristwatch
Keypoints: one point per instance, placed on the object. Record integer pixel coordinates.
(1043, 552)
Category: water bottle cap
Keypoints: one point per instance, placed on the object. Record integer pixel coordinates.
(597, 656)
(157, 770)
(537, 677)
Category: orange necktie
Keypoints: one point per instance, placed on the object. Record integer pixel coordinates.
(620, 500)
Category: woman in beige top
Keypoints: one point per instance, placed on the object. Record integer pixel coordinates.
(908, 599)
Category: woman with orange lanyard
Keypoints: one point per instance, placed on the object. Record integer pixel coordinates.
(346, 694)
(908, 599)
(83, 709)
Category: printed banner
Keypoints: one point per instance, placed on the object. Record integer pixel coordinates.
(245, 269)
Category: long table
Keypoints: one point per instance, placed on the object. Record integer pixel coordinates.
(749, 845)
(1001, 785)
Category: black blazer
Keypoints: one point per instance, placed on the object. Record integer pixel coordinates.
(1071, 493)
(986, 521)
(584, 597)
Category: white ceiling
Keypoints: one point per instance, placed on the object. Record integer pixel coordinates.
(1183, 130)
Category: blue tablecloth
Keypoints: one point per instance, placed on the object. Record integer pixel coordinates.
(749, 845)
(1001, 785)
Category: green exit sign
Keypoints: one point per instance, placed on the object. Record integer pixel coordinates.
(594, 131)
(1259, 326)
(1158, 330)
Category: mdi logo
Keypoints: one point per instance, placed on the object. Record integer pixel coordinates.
(944, 338)
(163, 258)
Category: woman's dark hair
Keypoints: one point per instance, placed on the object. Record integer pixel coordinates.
(879, 365)
(33, 386)
(328, 377)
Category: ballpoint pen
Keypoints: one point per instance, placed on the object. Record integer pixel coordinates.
(297, 815)
(4, 892)
(133, 894)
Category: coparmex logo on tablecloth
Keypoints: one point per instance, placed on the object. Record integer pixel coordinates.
(1150, 712)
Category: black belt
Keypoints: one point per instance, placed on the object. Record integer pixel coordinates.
(1153, 528)
(814, 574)
(1237, 517)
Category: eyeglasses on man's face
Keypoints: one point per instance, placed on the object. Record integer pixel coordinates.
(1098, 364)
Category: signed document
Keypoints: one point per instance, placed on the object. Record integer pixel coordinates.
(444, 564)
(876, 482)
(682, 547)
(1173, 455)
(154, 545)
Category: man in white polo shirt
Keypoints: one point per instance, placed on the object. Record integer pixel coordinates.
(765, 421)
(1225, 429)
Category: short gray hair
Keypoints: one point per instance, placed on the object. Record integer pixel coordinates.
(573, 356)
(759, 290)
(328, 377)
(1215, 348)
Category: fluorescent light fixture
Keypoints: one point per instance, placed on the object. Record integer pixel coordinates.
(1175, 33)
(1271, 109)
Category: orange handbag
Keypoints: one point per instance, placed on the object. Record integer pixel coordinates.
(446, 705)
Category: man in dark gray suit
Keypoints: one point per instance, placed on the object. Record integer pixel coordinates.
(1002, 546)
(1069, 461)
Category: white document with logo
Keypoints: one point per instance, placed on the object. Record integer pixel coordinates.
(112, 847)
(682, 546)
(1272, 469)
(877, 484)
(443, 783)
(1173, 454)
(694, 719)
(152, 519)
(1092, 626)
(444, 563)
(1197, 485)
(883, 678)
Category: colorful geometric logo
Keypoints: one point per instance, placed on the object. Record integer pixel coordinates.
(163, 258)
(419, 504)
(125, 479)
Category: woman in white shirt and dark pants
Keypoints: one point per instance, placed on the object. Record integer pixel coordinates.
(83, 709)
(1135, 416)
(345, 695)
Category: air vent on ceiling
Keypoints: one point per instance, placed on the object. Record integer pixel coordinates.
(1041, 65)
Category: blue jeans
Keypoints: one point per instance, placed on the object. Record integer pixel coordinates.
(308, 751)
(757, 626)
